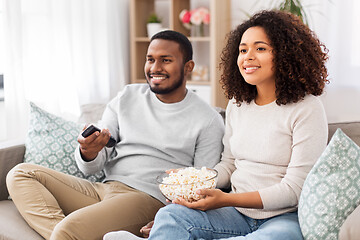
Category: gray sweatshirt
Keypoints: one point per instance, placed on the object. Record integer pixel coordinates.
(154, 136)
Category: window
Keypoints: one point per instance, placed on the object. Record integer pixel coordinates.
(2, 57)
(355, 38)
(1, 87)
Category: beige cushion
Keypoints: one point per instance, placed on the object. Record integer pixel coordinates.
(13, 226)
(91, 113)
(350, 229)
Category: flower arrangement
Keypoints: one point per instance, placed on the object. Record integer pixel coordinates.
(198, 16)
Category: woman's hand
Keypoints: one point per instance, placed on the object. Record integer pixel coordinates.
(145, 230)
(214, 198)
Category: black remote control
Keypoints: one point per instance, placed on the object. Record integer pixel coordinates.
(91, 129)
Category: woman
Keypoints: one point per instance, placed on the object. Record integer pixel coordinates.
(276, 128)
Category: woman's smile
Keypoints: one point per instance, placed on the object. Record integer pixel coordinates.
(251, 69)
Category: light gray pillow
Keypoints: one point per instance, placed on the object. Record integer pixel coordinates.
(331, 190)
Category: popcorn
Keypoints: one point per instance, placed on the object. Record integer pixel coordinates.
(186, 181)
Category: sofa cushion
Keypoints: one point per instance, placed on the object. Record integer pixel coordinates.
(13, 226)
(350, 229)
(51, 142)
(331, 190)
(91, 113)
(351, 129)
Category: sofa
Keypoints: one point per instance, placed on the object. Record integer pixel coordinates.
(13, 227)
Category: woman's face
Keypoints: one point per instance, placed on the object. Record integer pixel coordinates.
(255, 60)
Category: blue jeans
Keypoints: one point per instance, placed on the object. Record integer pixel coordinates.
(179, 222)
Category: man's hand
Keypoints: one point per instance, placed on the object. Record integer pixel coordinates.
(92, 145)
(214, 198)
(145, 230)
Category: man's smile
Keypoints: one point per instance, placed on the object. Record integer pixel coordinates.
(157, 78)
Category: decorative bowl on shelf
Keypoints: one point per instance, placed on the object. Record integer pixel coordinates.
(153, 28)
(183, 182)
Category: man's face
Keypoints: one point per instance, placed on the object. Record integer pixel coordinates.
(164, 67)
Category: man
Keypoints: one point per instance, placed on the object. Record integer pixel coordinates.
(158, 126)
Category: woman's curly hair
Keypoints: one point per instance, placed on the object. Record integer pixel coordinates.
(299, 59)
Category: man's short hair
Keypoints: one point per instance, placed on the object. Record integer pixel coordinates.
(181, 39)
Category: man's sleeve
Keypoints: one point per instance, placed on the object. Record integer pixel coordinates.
(209, 145)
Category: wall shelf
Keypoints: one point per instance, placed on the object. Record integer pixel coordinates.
(207, 49)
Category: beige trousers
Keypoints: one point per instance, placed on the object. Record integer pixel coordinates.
(59, 206)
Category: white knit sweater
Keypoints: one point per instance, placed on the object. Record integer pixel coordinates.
(271, 149)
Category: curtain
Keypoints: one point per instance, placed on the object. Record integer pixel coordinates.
(62, 54)
(338, 28)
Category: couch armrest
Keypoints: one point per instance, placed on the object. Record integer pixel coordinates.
(9, 157)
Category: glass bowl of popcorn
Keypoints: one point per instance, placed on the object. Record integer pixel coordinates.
(183, 182)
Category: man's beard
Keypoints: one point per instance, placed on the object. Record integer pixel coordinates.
(171, 88)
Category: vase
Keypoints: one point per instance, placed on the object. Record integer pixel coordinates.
(198, 30)
(153, 28)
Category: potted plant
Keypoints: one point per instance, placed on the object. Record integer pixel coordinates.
(295, 7)
(153, 24)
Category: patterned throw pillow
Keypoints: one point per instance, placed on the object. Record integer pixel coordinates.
(51, 142)
(331, 190)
